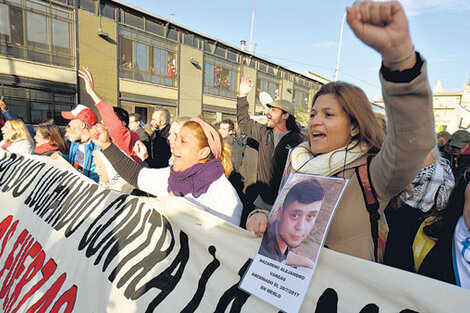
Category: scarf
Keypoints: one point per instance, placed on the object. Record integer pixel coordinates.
(325, 164)
(432, 179)
(6, 144)
(46, 147)
(196, 179)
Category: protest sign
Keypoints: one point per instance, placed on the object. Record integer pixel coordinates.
(297, 228)
(68, 245)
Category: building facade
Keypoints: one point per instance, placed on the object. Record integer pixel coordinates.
(451, 109)
(139, 61)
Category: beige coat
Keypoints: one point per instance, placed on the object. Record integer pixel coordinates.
(410, 138)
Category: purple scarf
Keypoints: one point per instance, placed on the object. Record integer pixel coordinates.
(196, 179)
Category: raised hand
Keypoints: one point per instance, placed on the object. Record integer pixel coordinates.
(3, 106)
(384, 27)
(87, 77)
(245, 86)
(100, 136)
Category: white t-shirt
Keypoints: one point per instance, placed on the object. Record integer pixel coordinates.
(221, 199)
(461, 253)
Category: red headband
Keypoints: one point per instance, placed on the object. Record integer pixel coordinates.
(213, 137)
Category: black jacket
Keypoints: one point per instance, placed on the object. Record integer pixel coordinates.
(160, 152)
(271, 162)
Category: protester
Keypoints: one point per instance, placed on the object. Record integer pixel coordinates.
(343, 131)
(427, 194)
(81, 150)
(115, 119)
(49, 140)
(454, 152)
(274, 140)
(294, 220)
(16, 138)
(159, 153)
(440, 248)
(134, 125)
(227, 131)
(226, 128)
(443, 138)
(200, 162)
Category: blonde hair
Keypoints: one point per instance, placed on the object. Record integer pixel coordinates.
(21, 131)
(203, 142)
(53, 133)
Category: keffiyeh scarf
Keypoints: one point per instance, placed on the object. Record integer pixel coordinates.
(432, 179)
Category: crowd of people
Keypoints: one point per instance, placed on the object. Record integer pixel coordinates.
(421, 188)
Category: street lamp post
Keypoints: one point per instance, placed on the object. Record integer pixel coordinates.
(339, 46)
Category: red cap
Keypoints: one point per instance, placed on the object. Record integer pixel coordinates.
(82, 113)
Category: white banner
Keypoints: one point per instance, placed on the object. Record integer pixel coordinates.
(68, 245)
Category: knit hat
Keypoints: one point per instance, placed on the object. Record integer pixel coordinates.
(82, 113)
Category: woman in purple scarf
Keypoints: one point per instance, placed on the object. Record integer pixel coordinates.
(199, 172)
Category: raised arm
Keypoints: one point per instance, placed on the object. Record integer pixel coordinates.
(407, 95)
(383, 26)
(247, 126)
(121, 135)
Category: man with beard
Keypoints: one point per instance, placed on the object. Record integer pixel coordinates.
(443, 138)
(275, 139)
(159, 152)
(80, 155)
(455, 152)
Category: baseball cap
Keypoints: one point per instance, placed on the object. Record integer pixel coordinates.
(82, 113)
(460, 139)
(444, 134)
(283, 105)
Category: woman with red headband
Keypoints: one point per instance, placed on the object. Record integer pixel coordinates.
(199, 173)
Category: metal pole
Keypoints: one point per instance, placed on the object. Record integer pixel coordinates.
(252, 27)
(339, 46)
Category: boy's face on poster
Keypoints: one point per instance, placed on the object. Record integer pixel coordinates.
(296, 221)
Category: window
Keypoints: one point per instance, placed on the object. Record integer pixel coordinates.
(155, 28)
(140, 56)
(40, 32)
(107, 10)
(88, 5)
(232, 56)
(36, 30)
(207, 47)
(268, 84)
(220, 77)
(60, 34)
(36, 106)
(4, 21)
(133, 20)
(16, 26)
(220, 51)
(163, 69)
(300, 99)
(146, 58)
(209, 117)
(172, 34)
